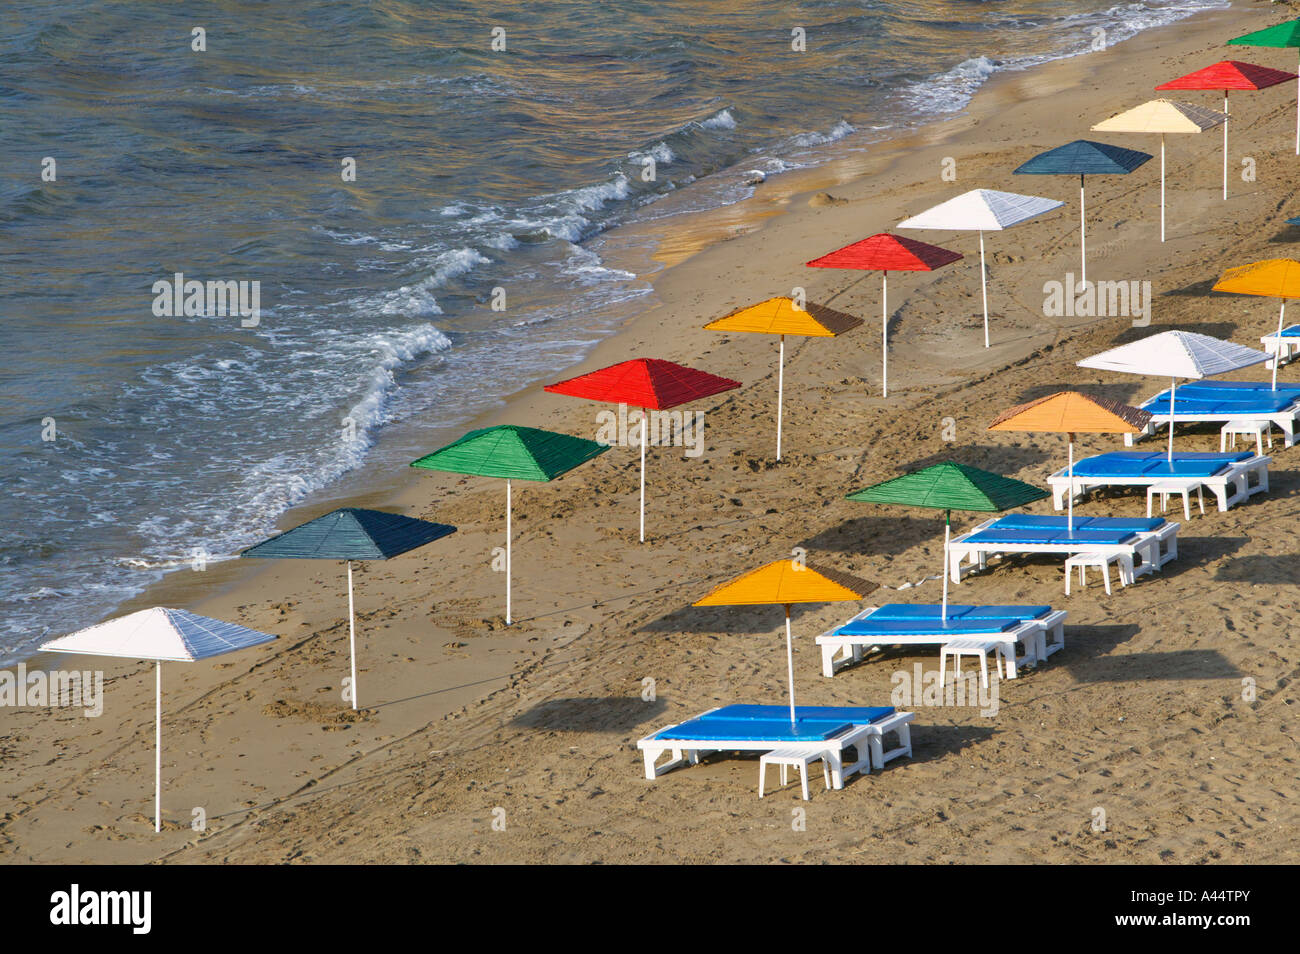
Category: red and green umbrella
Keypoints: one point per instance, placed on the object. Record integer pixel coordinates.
(1280, 36)
(886, 253)
(646, 383)
(514, 453)
(950, 486)
(1226, 75)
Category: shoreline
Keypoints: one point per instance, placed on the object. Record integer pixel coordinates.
(564, 649)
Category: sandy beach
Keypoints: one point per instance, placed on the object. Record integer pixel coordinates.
(478, 742)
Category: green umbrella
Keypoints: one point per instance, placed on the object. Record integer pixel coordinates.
(1282, 35)
(515, 453)
(950, 487)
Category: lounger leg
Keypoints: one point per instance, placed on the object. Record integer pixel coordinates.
(762, 776)
(943, 664)
(1187, 505)
(1105, 574)
(651, 756)
(826, 774)
(837, 770)
(1200, 498)
(984, 667)
(828, 661)
(803, 778)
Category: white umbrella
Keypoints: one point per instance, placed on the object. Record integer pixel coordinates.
(982, 210)
(163, 635)
(1177, 354)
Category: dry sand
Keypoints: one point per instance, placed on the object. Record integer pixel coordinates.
(1141, 716)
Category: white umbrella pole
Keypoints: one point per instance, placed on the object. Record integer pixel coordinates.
(1277, 355)
(1069, 492)
(1297, 119)
(789, 660)
(780, 400)
(1173, 391)
(1225, 145)
(508, 508)
(1083, 236)
(984, 291)
(352, 636)
(157, 748)
(947, 529)
(884, 334)
(1162, 187)
(645, 426)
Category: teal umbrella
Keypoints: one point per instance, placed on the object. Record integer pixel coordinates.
(948, 487)
(351, 534)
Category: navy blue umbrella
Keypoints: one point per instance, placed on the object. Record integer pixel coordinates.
(1083, 157)
(351, 534)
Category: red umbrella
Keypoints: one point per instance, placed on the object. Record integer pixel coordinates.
(1226, 75)
(887, 253)
(647, 383)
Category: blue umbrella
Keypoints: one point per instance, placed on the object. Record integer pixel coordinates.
(1083, 157)
(351, 534)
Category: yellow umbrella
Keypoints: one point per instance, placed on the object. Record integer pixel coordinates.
(1272, 278)
(782, 316)
(1163, 116)
(783, 583)
(1070, 413)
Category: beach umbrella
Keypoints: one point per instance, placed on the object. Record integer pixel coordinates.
(1281, 35)
(782, 316)
(646, 383)
(982, 210)
(950, 486)
(1272, 278)
(1070, 413)
(514, 453)
(1083, 157)
(1173, 355)
(1226, 75)
(161, 635)
(1162, 116)
(350, 534)
(784, 583)
(886, 253)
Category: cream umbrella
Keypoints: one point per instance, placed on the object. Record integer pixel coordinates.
(1163, 116)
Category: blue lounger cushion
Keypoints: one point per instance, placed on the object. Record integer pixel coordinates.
(1260, 402)
(1290, 331)
(1029, 521)
(1121, 464)
(930, 611)
(1051, 537)
(921, 627)
(1219, 387)
(858, 715)
(754, 730)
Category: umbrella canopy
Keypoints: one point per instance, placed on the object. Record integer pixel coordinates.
(951, 486)
(351, 534)
(1070, 413)
(1162, 116)
(1280, 35)
(1083, 157)
(1227, 75)
(163, 635)
(885, 253)
(784, 583)
(514, 453)
(781, 316)
(1176, 354)
(647, 383)
(1272, 278)
(982, 210)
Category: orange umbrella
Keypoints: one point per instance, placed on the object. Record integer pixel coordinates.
(1272, 278)
(1070, 413)
(781, 316)
(783, 583)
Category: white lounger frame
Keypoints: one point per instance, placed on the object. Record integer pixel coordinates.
(1285, 420)
(866, 740)
(1239, 482)
(1034, 634)
(1155, 548)
(1286, 347)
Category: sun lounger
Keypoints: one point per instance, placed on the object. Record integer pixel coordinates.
(1284, 347)
(919, 624)
(1151, 542)
(827, 732)
(1231, 477)
(1225, 401)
